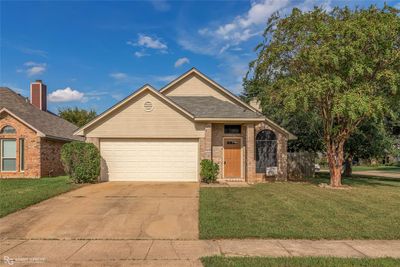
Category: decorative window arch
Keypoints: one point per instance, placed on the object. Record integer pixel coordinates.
(8, 130)
(266, 150)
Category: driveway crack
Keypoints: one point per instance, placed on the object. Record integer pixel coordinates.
(77, 250)
(148, 251)
(365, 255)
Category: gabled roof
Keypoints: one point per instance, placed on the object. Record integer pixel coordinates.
(144, 88)
(219, 87)
(211, 107)
(198, 108)
(44, 123)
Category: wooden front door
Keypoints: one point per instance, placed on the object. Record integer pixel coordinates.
(232, 158)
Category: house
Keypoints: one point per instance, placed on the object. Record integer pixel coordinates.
(162, 135)
(30, 136)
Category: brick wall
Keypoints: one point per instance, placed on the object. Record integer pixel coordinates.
(50, 151)
(281, 154)
(205, 142)
(32, 148)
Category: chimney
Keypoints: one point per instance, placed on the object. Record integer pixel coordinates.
(255, 103)
(39, 95)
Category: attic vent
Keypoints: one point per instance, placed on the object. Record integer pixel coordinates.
(148, 106)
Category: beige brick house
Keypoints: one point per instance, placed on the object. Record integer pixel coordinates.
(30, 136)
(163, 135)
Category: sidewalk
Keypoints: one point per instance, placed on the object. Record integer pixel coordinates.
(372, 173)
(181, 253)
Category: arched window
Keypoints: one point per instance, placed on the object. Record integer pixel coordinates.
(265, 150)
(8, 130)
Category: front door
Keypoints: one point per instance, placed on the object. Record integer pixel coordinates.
(232, 158)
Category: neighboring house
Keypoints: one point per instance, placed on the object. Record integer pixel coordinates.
(30, 136)
(162, 135)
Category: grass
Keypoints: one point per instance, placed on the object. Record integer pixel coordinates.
(16, 194)
(298, 262)
(368, 210)
(393, 169)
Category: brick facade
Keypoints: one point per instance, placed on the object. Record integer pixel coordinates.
(42, 156)
(50, 155)
(281, 154)
(247, 136)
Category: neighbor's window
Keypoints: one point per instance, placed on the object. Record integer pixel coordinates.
(8, 130)
(8, 155)
(21, 155)
(266, 155)
(232, 129)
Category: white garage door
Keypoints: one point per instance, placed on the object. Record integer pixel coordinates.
(150, 159)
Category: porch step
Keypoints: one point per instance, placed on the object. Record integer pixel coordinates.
(236, 180)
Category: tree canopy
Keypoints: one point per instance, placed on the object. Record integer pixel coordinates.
(77, 116)
(340, 68)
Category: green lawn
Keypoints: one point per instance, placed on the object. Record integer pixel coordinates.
(298, 262)
(377, 168)
(16, 194)
(368, 210)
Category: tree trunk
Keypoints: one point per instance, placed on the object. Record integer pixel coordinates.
(348, 170)
(335, 161)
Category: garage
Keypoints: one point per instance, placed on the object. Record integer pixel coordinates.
(150, 159)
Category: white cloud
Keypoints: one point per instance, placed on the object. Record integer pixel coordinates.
(66, 95)
(31, 51)
(146, 42)
(140, 54)
(33, 68)
(150, 42)
(243, 27)
(181, 61)
(119, 76)
(165, 78)
(160, 5)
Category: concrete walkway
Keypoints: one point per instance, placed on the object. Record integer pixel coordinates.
(378, 173)
(181, 252)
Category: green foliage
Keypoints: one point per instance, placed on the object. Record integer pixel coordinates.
(209, 171)
(77, 116)
(81, 161)
(370, 140)
(302, 210)
(17, 194)
(340, 68)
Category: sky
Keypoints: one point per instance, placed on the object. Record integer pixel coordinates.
(92, 54)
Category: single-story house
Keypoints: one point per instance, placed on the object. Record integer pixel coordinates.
(163, 135)
(30, 136)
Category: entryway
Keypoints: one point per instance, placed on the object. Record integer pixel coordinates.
(232, 158)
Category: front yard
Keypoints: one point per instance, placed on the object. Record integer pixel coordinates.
(368, 210)
(298, 262)
(16, 194)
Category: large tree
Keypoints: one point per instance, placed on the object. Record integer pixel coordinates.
(341, 66)
(76, 115)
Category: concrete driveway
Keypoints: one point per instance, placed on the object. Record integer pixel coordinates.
(113, 210)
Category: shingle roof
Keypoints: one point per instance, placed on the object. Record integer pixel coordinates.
(211, 107)
(47, 123)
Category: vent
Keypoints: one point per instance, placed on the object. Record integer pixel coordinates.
(148, 106)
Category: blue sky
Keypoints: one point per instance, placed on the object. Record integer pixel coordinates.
(91, 54)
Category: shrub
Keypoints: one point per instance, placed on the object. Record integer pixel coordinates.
(81, 161)
(209, 171)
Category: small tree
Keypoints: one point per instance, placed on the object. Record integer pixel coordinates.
(341, 66)
(77, 116)
(209, 171)
(81, 161)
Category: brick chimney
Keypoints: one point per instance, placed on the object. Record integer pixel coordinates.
(39, 95)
